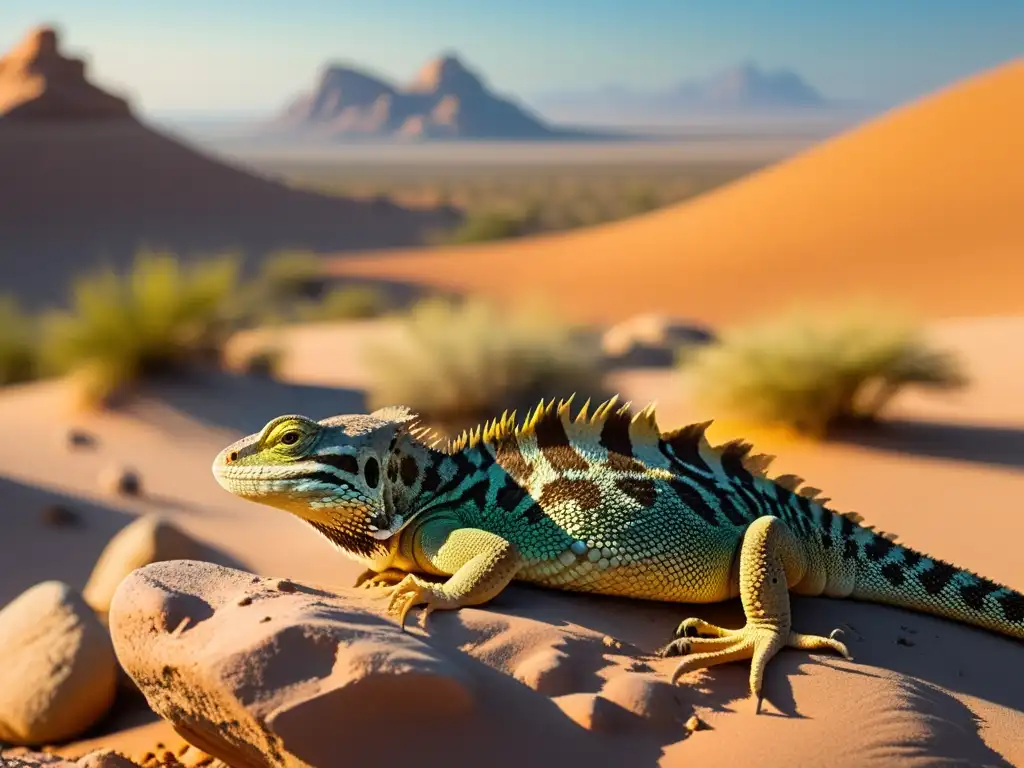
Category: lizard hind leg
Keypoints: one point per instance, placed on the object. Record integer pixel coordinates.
(771, 561)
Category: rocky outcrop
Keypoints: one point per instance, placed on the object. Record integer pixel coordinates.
(38, 83)
(58, 674)
(266, 672)
(445, 100)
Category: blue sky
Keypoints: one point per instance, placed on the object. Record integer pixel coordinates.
(247, 55)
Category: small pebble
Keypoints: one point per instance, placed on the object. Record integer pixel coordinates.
(264, 619)
(283, 585)
(244, 600)
(122, 481)
(611, 642)
(694, 724)
(59, 516)
(79, 438)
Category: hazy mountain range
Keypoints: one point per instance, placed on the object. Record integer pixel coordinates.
(445, 100)
(746, 89)
(449, 100)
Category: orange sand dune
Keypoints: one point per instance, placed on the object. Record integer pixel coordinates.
(924, 205)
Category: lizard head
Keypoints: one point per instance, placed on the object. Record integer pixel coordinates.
(329, 473)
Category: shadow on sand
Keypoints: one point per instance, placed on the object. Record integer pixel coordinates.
(979, 444)
(33, 550)
(244, 403)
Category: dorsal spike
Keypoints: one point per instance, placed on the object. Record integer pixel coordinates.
(758, 463)
(789, 482)
(809, 492)
(643, 426)
(564, 407)
(888, 535)
(691, 433)
(581, 417)
(853, 517)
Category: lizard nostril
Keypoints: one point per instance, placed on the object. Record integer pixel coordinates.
(233, 456)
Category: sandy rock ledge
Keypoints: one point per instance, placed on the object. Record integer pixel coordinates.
(268, 672)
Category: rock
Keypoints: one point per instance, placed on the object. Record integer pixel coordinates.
(650, 340)
(34, 760)
(76, 439)
(121, 481)
(59, 673)
(266, 693)
(694, 723)
(105, 758)
(325, 680)
(446, 99)
(148, 539)
(38, 83)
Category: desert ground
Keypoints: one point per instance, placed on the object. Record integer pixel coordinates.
(859, 214)
(920, 688)
(242, 629)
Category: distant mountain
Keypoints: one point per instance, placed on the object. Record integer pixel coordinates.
(741, 89)
(446, 100)
(84, 184)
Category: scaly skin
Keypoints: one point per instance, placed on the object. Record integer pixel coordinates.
(605, 504)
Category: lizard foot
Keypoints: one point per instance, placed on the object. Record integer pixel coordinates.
(373, 579)
(758, 642)
(412, 591)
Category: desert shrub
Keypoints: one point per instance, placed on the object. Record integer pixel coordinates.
(818, 372)
(158, 317)
(458, 363)
(482, 226)
(344, 303)
(289, 275)
(640, 200)
(17, 343)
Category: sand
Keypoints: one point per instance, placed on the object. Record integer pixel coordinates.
(919, 206)
(940, 477)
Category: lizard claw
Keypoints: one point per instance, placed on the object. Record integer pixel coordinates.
(412, 591)
(758, 643)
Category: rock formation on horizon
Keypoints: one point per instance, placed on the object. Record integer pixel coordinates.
(38, 83)
(84, 183)
(744, 89)
(445, 100)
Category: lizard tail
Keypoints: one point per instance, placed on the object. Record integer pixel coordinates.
(895, 575)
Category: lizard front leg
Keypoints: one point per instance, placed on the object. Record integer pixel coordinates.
(771, 561)
(479, 564)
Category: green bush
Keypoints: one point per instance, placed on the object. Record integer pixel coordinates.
(17, 347)
(483, 226)
(817, 373)
(291, 275)
(157, 318)
(459, 363)
(344, 303)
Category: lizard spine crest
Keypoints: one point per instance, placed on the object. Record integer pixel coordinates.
(643, 428)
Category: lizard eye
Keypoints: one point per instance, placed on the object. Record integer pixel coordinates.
(372, 472)
(290, 438)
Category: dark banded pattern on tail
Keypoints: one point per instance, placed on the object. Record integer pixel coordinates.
(900, 576)
(858, 561)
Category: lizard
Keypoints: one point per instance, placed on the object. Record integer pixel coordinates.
(602, 503)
